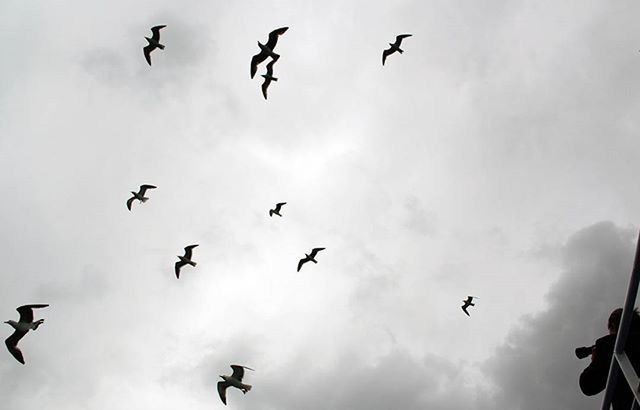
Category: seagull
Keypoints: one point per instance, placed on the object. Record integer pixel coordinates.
(139, 195)
(268, 78)
(277, 210)
(394, 47)
(235, 380)
(185, 260)
(154, 42)
(21, 327)
(309, 258)
(266, 50)
(468, 303)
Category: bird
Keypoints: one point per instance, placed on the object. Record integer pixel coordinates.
(277, 210)
(266, 50)
(235, 380)
(185, 260)
(309, 258)
(468, 303)
(394, 47)
(268, 77)
(154, 42)
(21, 327)
(139, 195)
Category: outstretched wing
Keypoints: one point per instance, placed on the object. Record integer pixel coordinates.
(315, 251)
(143, 188)
(12, 345)
(302, 262)
(385, 53)
(273, 37)
(179, 265)
(400, 37)
(147, 52)
(156, 32)
(257, 59)
(464, 309)
(26, 312)
(188, 251)
(279, 206)
(222, 391)
(270, 212)
(130, 202)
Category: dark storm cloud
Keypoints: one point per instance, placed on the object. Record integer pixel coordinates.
(536, 368)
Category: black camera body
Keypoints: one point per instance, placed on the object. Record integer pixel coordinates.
(584, 351)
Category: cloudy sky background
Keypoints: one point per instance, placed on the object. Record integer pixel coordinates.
(496, 157)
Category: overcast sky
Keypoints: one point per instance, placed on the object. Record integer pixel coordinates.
(496, 157)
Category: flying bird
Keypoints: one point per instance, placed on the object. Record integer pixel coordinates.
(268, 78)
(185, 260)
(21, 327)
(468, 303)
(235, 380)
(277, 210)
(394, 47)
(154, 42)
(309, 258)
(266, 50)
(139, 195)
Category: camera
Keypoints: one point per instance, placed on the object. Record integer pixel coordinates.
(584, 351)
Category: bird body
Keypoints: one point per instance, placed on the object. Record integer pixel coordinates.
(269, 52)
(394, 47)
(154, 42)
(279, 205)
(139, 195)
(185, 260)
(309, 258)
(235, 380)
(21, 328)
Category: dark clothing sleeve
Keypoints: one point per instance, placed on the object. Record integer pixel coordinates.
(593, 379)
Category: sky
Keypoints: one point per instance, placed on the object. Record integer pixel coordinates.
(495, 157)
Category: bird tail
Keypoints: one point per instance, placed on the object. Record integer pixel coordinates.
(161, 46)
(144, 199)
(399, 50)
(472, 304)
(193, 263)
(247, 387)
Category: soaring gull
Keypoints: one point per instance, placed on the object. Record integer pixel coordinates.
(139, 195)
(266, 50)
(235, 380)
(268, 77)
(277, 210)
(21, 327)
(468, 303)
(154, 42)
(309, 258)
(185, 260)
(394, 47)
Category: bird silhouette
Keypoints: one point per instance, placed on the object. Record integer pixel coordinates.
(309, 258)
(266, 50)
(277, 210)
(21, 327)
(235, 380)
(394, 47)
(468, 303)
(185, 260)
(154, 42)
(139, 195)
(268, 77)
